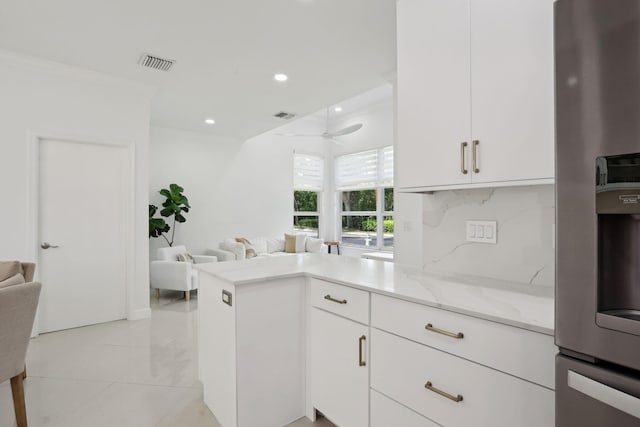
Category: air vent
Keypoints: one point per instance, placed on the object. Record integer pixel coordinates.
(284, 115)
(155, 62)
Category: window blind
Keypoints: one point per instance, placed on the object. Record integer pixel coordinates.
(308, 172)
(386, 176)
(366, 169)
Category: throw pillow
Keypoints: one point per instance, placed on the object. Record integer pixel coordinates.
(275, 245)
(9, 269)
(250, 252)
(259, 244)
(300, 243)
(290, 243)
(314, 245)
(186, 257)
(17, 279)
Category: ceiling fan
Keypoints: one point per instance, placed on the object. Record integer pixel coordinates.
(329, 135)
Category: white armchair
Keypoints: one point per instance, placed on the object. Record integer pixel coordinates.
(169, 273)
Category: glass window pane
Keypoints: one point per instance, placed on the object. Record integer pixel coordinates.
(388, 199)
(388, 232)
(360, 200)
(305, 201)
(359, 230)
(306, 225)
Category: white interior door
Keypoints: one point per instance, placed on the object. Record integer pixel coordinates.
(82, 212)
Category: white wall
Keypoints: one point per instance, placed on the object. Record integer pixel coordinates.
(525, 249)
(200, 163)
(235, 188)
(48, 99)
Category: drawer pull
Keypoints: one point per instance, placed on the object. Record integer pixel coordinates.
(463, 147)
(457, 336)
(476, 169)
(360, 341)
(339, 301)
(429, 386)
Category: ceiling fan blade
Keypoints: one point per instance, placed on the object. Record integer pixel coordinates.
(346, 131)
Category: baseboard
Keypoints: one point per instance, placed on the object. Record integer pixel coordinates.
(141, 313)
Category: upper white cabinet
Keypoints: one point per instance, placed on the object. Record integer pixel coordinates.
(475, 93)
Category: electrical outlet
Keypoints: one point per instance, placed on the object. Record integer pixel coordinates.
(482, 231)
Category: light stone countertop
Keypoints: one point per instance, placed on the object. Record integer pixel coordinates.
(521, 305)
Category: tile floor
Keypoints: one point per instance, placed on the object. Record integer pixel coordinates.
(126, 374)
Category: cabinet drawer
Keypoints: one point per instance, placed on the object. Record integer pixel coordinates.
(401, 369)
(386, 412)
(525, 354)
(343, 300)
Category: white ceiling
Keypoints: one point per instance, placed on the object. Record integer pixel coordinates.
(227, 52)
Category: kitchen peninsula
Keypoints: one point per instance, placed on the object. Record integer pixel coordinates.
(365, 341)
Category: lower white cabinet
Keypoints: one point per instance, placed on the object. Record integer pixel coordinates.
(251, 351)
(386, 413)
(452, 391)
(339, 371)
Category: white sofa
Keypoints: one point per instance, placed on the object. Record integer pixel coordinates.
(265, 247)
(169, 273)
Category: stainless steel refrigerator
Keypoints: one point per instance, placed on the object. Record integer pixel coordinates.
(597, 46)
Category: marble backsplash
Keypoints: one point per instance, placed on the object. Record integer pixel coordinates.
(525, 242)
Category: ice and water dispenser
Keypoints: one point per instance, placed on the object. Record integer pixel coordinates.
(618, 210)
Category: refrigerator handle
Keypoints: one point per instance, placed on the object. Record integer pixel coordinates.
(608, 395)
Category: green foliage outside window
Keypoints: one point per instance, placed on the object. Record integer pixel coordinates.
(305, 201)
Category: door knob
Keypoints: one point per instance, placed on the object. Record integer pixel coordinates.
(46, 245)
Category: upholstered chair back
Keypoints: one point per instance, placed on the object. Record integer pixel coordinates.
(18, 306)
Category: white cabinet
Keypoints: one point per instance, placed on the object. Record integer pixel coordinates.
(452, 391)
(386, 412)
(251, 351)
(339, 368)
(433, 92)
(475, 93)
(525, 354)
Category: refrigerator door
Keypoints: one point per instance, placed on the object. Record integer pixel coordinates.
(590, 396)
(597, 45)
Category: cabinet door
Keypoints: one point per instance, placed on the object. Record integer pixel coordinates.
(433, 92)
(339, 383)
(512, 110)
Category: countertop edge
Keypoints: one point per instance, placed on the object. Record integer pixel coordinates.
(477, 314)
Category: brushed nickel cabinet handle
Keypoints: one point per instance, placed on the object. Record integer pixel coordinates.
(361, 340)
(463, 149)
(458, 335)
(476, 169)
(429, 386)
(338, 301)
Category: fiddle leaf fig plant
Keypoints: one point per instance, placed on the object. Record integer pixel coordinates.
(157, 226)
(175, 205)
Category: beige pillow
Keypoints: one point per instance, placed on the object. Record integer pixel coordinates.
(290, 243)
(9, 269)
(250, 252)
(17, 279)
(186, 257)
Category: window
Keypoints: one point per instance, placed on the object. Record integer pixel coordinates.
(307, 186)
(364, 182)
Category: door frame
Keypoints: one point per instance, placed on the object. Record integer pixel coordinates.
(34, 140)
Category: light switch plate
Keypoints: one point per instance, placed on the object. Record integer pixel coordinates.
(482, 231)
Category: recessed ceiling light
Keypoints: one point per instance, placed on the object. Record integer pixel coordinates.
(209, 121)
(338, 109)
(281, 77)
